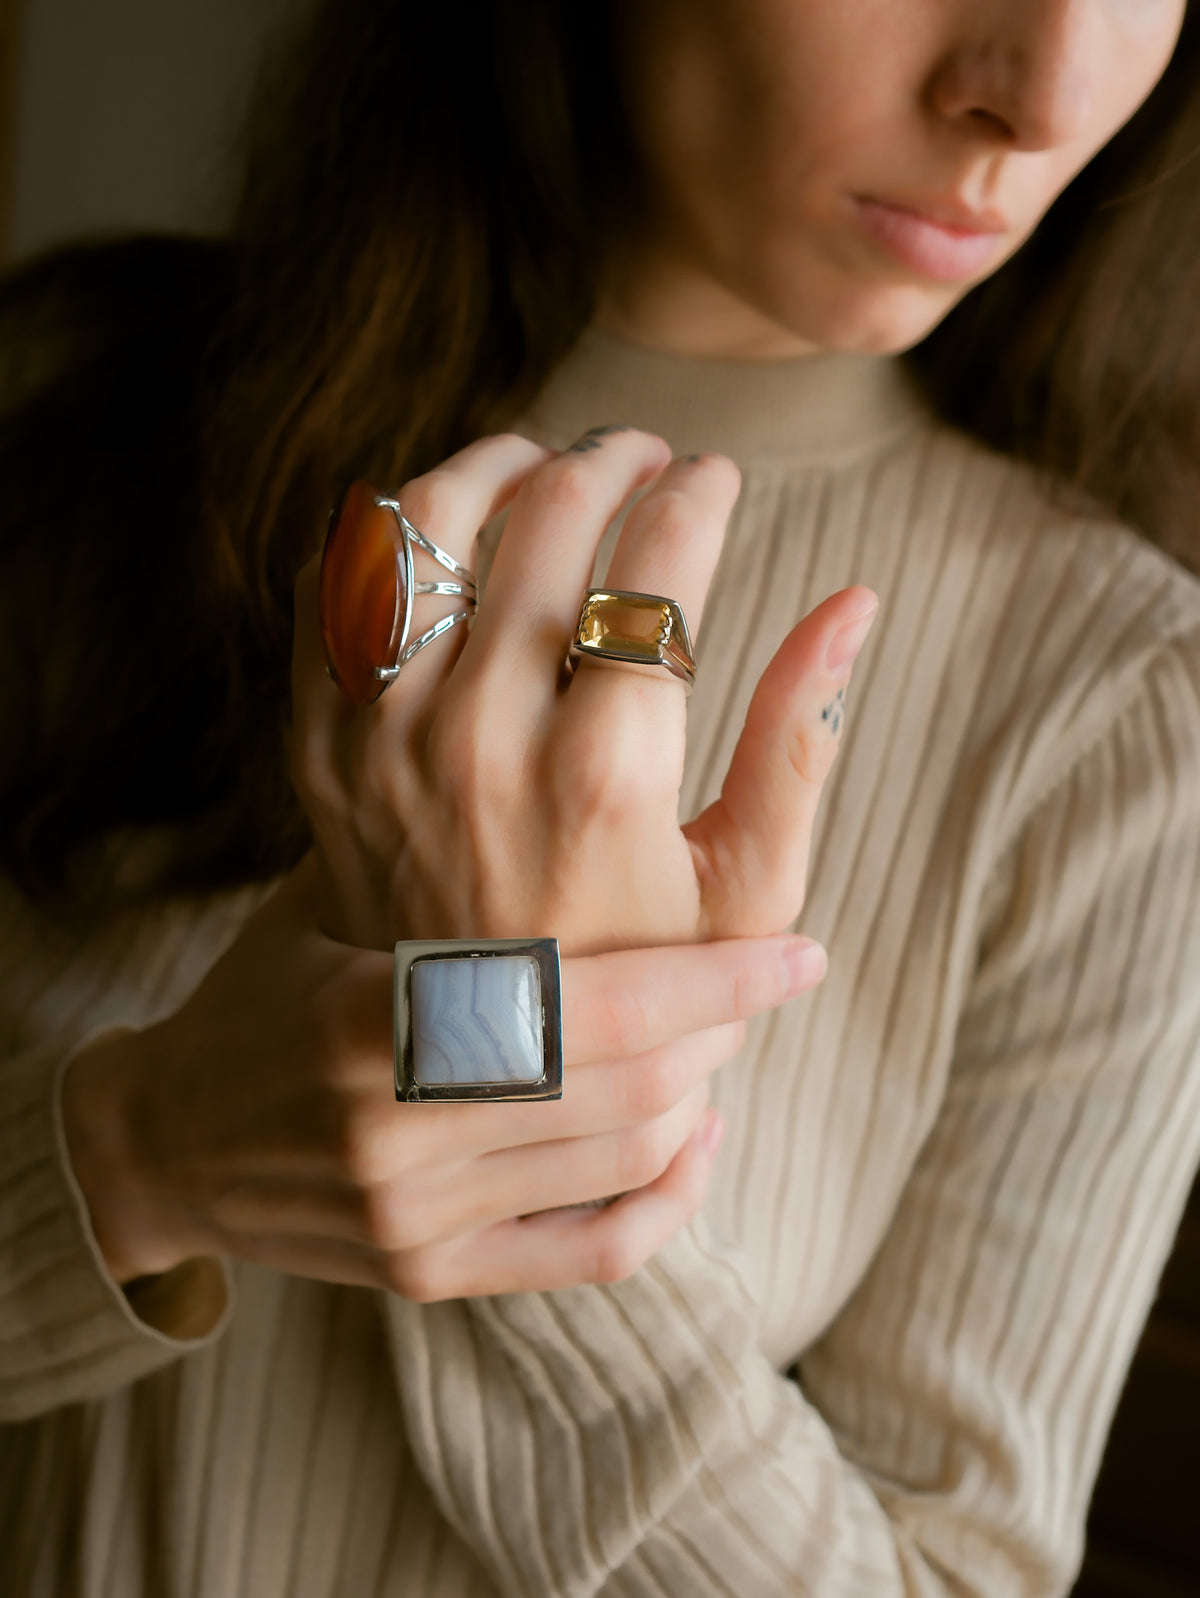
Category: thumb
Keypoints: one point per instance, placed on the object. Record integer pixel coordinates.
(750, 847)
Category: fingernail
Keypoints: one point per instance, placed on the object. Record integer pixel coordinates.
(712, 1132)
(842, 650)
(805, 962)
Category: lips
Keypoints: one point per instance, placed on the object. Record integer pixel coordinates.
(945, 244)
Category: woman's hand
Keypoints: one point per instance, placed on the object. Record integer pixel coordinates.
(260, 1120)
(483, 795)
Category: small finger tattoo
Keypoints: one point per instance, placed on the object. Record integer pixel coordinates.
(594, 438)
(834, 712)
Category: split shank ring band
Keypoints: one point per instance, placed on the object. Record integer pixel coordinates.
(628, 629)
(366, 592)
(477, 1020)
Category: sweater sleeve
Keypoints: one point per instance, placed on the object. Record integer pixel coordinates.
(68, 1331)
(943, 1435)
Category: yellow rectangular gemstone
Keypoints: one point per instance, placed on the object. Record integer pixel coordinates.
(634, 629)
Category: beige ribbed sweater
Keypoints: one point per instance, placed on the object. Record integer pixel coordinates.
(884, 1359)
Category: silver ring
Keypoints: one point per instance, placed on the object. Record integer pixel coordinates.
(464, 587)
(622, 628)
(477, 1020)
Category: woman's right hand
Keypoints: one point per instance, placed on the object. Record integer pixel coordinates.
(485, 796)
(260, 1120)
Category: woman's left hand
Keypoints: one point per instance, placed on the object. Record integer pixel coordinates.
(485, 795)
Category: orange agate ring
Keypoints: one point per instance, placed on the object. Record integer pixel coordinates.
(366, 592)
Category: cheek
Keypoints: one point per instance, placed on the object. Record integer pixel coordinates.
(755, 121)
(724, 98)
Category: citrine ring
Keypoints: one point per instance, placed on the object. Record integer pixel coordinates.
(627, 629)
(368, 582)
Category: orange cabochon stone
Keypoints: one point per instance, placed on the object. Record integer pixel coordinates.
(362, 593)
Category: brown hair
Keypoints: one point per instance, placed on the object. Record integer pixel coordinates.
(416, 246)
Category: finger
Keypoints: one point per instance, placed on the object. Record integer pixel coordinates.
(669, 546)
(545, 557)
(449, 505)
(339, 1192)
(615, 1006)
(523, 1182)
(671, 540)
(554, 1248)
(751, 845)
(625, 1002)
(567, 1248)
(429, 1206)
(628, 1007)
(453, 501)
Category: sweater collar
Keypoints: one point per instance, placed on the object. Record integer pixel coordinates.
(816, 408)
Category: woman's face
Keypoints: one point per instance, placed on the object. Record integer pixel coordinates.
(838, 173)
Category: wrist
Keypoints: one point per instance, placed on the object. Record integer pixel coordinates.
(101, 1092)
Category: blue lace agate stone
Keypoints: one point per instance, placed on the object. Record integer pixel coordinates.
(477, 1019)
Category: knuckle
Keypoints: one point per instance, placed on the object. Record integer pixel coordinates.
(361, 1141)
(510, 441)
(626, 1021)
(671, 520)
(339, 1030)
(644, 1152)
(565, 483)
(431, 500)
(733, 1039)
(809, 756)
(755, 990)
(415, 1274)
(655, 1083)
(388, 1220)
(619, 1252)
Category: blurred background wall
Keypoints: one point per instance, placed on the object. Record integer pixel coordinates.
(123, 113)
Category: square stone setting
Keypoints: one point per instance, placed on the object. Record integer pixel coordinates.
(478, 1020)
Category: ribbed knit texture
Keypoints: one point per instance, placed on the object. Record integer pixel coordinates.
(884, 1359)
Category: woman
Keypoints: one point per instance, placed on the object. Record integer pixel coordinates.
(951, 1175)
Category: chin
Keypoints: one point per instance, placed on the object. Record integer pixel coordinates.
(881, 320)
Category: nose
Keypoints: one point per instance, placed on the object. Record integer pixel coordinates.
(1024, 75)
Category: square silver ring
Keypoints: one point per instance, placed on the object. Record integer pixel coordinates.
(477, 1020)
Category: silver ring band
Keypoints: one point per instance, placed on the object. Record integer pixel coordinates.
(463, 588)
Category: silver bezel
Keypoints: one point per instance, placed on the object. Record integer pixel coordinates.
(544, 951)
